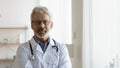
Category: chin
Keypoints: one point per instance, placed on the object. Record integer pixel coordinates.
(41, 35)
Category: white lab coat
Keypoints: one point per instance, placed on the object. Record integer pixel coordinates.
(50, 59)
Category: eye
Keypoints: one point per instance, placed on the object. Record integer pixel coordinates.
(46, 22)
(36, 22)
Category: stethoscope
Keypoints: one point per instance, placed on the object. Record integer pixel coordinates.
(32, 57)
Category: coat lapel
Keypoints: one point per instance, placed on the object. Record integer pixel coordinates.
(51, 43)
(35, 46)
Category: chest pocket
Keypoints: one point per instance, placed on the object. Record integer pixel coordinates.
(52, 57)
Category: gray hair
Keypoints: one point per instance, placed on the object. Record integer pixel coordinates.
(41, 9)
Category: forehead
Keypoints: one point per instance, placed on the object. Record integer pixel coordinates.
(40, 16)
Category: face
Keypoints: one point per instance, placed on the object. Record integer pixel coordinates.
(41, 25)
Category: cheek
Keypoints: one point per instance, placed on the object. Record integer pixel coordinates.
(49, 28)
(34, 28)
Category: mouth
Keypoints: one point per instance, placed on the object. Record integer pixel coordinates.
(41, 31)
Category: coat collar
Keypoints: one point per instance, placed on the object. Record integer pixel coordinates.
(37, 47)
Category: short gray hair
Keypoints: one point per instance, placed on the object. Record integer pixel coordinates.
(40, 9)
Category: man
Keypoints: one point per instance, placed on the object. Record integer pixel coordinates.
(42, 51)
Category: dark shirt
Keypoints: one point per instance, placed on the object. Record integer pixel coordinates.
(43, 46)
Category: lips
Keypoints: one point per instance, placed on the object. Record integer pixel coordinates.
(41, 30)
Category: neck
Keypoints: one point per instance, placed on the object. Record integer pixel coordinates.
(42, 40)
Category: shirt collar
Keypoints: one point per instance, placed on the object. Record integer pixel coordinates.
(40, 43)
(51, 42)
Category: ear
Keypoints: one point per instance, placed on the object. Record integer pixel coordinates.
(51, 25)
(32, 25)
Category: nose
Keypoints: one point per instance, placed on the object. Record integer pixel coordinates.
(42, 24)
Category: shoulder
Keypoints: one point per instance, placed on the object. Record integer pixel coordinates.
(23, 47)
(60, 45)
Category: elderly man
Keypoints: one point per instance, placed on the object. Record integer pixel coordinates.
(42, 51)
